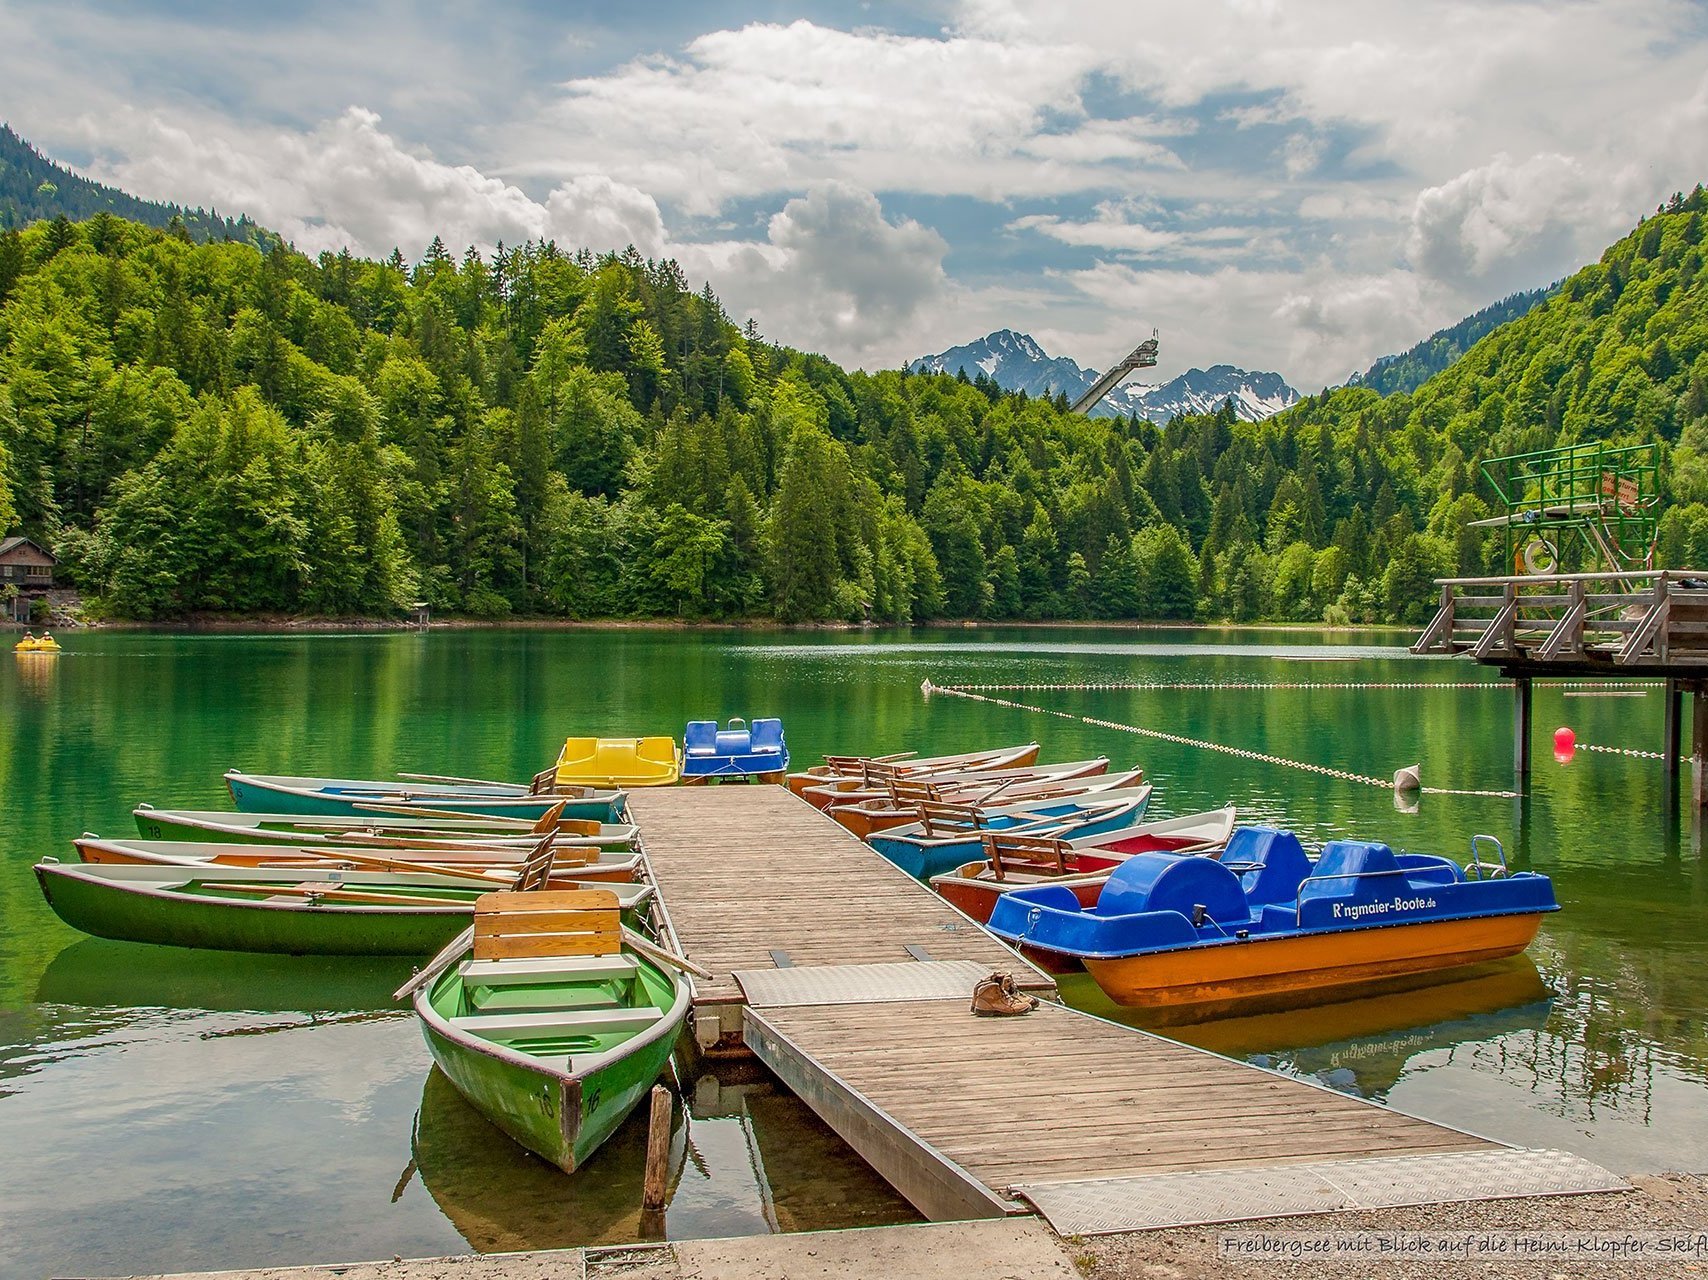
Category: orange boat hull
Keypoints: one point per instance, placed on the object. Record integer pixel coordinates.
(1276, 972)
(864, 822)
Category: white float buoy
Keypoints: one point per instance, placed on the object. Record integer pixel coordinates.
(1408, 779)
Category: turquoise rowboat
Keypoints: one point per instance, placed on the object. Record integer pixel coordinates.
(352, 797)
(379, 828)
(550, 1026)
(295, 911)
(931, 847)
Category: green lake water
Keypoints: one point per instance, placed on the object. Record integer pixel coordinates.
(164, 1110)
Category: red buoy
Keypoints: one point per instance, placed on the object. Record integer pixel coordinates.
(1564, 739)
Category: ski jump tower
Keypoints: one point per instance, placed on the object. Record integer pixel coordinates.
(1142, 356)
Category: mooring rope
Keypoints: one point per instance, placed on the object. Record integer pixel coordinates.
(1620, 751)
(928, 688)
(1196, 685)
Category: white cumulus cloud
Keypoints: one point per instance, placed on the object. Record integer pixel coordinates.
(834, 274)
(347, 182)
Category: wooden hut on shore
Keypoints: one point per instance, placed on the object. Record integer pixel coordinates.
(26, 567)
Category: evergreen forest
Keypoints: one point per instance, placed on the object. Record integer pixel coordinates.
(32, 188)
(228, 426)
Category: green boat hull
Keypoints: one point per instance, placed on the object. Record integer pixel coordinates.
(250, 798)
(146, 910)
(563, 1121)
(109, 911)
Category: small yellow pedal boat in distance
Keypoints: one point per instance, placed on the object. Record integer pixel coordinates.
(31, 643)
(618, 762)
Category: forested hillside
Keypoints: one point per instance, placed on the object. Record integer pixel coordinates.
(1411, 369)
(205, 427)
(32, 187)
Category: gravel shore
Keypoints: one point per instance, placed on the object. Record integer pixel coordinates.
(1671, 1204)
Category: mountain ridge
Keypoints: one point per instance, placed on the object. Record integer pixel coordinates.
(1410, 369)
(1017, 362)
(33, 187)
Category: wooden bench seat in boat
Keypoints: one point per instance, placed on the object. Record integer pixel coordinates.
(555, 982)
(496, 973)
(566, 1022)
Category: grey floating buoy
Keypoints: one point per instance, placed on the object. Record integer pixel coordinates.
(1408, 779)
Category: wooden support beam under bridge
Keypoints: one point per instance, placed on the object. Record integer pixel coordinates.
(1587, 626)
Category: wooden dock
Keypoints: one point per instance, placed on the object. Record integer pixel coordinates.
(754, 878)
(851, 982)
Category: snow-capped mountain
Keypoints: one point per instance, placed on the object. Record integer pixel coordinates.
(1017, 363)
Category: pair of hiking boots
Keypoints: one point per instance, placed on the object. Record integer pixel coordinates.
(998, 997)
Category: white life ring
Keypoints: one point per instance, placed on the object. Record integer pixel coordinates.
(1539, 556)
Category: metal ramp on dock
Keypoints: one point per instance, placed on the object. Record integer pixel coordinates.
(1097, 1126)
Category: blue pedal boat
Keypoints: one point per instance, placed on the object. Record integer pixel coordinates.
(736, 751)
(1268, 927)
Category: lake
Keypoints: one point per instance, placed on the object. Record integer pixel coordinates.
(166, 1110)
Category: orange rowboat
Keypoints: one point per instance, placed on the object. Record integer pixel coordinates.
(855, 769)
(980, 792)
(1017, 861)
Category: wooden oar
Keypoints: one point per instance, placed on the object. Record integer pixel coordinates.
(567, 851)
(513, 870)
(431, 843)
(418, 868)
(342, 895)
(467, 782)
(655, 952)
(421, 811)
(438, 964)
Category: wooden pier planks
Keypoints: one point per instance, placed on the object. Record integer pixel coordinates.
(1059, 1095)
(751, 870)
(1098, 1126)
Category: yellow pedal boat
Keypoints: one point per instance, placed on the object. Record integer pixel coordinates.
(618, 762)
(35, 644)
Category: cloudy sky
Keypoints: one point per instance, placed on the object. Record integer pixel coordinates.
(1296, 187)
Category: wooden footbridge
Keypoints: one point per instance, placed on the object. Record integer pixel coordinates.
(1636, 624)
(851, 982)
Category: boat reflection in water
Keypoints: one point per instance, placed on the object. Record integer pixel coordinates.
(1363, 1046)
(745, 1158)
(501, 1198)
(102, 974)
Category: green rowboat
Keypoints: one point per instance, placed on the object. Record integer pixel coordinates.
(296, 911)
(549, 1026)
(351, 797)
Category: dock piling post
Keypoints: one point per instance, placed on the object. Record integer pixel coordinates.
(657, 1179)
(1698, 745)
(1521, 709)
(1674, 723)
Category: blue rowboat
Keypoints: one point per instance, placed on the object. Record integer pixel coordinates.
(1266, 927)
(738, 750)
(946, 836)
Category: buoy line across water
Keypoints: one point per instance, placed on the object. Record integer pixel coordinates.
(1259, 685)
(968, 692)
